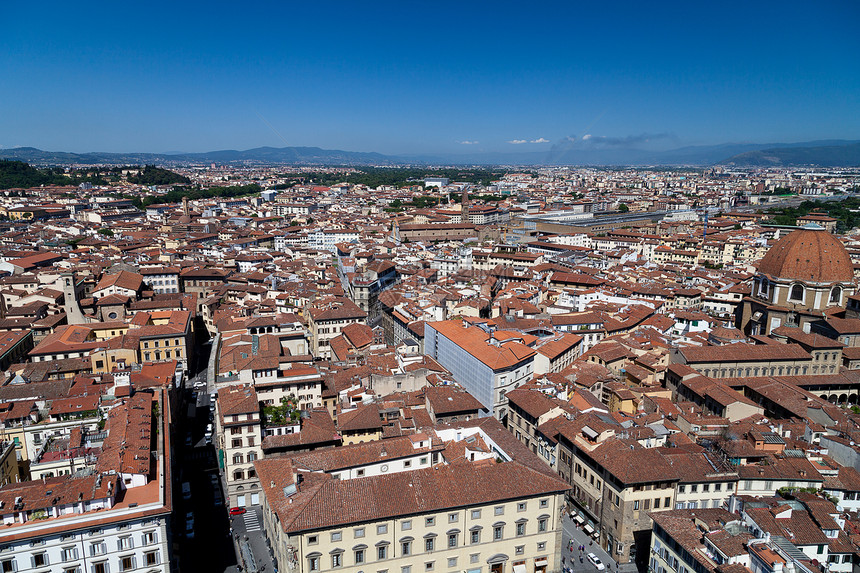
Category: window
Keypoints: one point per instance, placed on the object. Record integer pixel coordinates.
(336, 560)
(126, 563)
(313, 539)
(382, 552)
(541, 546)
(429, 543)
(314, 563)
(521, 529)
(836, 295)
(519, 549)
(359, 473)
(428, 566)
(430, 521)
(406, 548)
(452, 540)
(452, 562)
(542, 522)
(521, 506)
(452, 518)
(101, 567)
(406, 525)
(237, 442)
(406, 569)
(476, 514)
(407, 464)
(151, 558)
(475, 536)
(681, 488)
(238, 475)
(381, 529)
(499, 510)
(544, 503)
(498, 530)
(150, 537)
(8, 566)
(70, 553)
(358, 533)
(336, 536)
(98, 548)
(796, 293)
(40, 560)
(636, 505)
(359, 556)
(667, 502)
(238, 458)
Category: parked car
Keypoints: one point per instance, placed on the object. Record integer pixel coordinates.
(595, 560)
(237, 510)
(186, 490)
(188, 441)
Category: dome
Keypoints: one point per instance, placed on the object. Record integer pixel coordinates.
(808, 255)
(184, 220)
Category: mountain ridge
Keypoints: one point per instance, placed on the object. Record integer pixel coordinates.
(827, 153)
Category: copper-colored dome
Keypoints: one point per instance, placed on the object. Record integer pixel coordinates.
(809, 255)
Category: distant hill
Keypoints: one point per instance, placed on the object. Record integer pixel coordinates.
(259, 155)
(823, 156)
(826, 153)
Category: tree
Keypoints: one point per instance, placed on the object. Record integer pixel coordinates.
(623, 208)
(106, 232)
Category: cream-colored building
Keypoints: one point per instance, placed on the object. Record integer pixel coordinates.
(239, 436)
(478, 517)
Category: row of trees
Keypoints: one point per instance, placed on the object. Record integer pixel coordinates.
(399, 176)
(19, 174)
(177, 193)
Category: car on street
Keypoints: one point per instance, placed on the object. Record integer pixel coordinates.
(595, 560)
(237, 510)
(188, 441)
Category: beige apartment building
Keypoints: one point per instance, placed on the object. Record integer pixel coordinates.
(490, 518)
(239, 438)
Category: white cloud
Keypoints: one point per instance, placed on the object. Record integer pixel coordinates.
(467, 142)
(540, 140)
(518, 141)
(586, 137)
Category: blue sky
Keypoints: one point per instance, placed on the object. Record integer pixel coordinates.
(425, 77)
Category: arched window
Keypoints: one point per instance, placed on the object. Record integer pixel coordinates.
(238, 475)
(763, 287)
(796, 293)
(836, 295)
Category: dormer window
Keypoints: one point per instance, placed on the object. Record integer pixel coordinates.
(796, 293)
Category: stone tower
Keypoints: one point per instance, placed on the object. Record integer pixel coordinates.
(74, 314)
